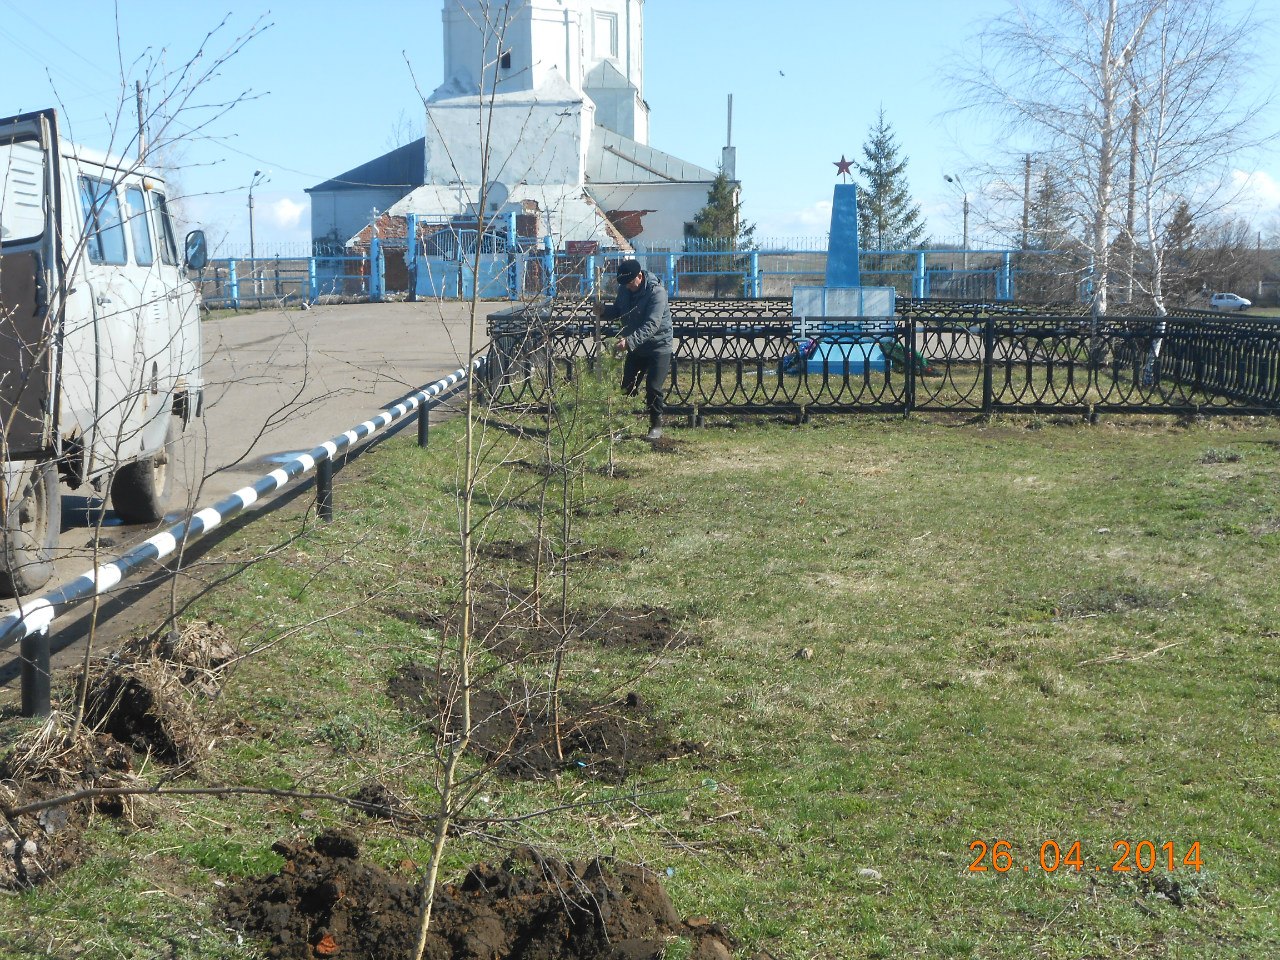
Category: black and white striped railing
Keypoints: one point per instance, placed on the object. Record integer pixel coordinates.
(30, 623)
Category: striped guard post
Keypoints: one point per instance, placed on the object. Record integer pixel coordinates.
(36, 615)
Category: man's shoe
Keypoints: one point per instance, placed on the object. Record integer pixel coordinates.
(655, 433)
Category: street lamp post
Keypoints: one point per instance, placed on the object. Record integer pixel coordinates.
(964, 239)
(258, 178)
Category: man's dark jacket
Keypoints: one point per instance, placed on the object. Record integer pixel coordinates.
(644, 316)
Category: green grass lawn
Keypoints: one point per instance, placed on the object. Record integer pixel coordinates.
(915, 635)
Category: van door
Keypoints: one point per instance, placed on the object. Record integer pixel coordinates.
(117, 301)
(30, 279)
(183, 311)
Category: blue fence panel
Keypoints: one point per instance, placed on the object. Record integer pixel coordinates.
(238, 284)
(441, 264)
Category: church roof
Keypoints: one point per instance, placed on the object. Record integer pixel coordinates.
(607, 76)
(613, 158)
(403, 168)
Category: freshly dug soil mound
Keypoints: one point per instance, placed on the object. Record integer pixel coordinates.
(526, 552)
(508, 626)
(375, 800)
(327, 902)
(143, 696)
(606, 741)
(145, 706)
(38, 846)
(140, 699)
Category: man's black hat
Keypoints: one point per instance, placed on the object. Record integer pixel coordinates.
(628, 270)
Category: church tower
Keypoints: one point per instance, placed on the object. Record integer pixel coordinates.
(541, 115)
(595, 46)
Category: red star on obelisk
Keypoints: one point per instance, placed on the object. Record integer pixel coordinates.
(843, 168)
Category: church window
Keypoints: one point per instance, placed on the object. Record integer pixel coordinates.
(505, 60)
(606, 35)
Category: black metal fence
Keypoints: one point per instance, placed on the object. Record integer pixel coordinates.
(753, 357)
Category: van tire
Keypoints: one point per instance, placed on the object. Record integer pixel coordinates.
(30, 532)
(140, 490)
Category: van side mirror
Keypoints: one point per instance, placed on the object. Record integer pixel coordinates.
(197, 252)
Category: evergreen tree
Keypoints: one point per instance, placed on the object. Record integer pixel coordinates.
(719, 228)
(1055, 272)
(1051, 217)
(1180, 230)
(719, 223)
(887, 219)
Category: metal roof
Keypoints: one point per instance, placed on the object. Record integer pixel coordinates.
(613, 158)
(403, 167)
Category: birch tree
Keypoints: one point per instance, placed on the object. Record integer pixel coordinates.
(1190, 124)
(1058, 72)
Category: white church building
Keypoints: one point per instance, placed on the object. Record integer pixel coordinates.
(557, 96)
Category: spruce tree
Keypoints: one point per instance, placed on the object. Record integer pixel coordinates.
(719, 223)
(1051, 215)
(1179, 253)
(887, 219)
(1056, 271)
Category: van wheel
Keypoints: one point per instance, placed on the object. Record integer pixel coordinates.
(30, 533)
(140, 490)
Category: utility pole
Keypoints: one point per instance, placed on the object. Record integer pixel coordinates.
(964, 241)
(1026, 201)
(258, 178)
(142, 122)
(1130, 216)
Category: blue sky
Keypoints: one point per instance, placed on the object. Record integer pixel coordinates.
(330, 87)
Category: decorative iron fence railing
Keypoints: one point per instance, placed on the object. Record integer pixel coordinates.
(753, 357)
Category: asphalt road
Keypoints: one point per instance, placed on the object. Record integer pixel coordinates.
(281, 382)
(276, 383)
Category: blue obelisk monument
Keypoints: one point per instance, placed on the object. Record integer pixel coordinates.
(842, 249)
(841, 324)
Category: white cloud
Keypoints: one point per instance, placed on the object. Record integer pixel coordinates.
(1255, 195)
(286, 214)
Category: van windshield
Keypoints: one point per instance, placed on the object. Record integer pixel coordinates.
(21, 191)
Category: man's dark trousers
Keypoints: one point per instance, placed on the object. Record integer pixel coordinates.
(656, 367)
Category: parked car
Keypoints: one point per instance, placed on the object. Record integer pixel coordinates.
(1228, 301)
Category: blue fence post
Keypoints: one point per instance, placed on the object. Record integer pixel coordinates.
(549, 261)
(591, 275)
(672, 283)
(513, 274)
(513, 255)
(313, 285)
(755, 274)
(233, 285)
(1002, 282)
(411, 253)
(377, 270)
(919, 281)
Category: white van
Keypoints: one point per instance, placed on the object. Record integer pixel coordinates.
(99, 339)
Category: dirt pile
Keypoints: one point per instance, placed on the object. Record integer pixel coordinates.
(144, 695)
(140, 699)
(510, 625)
(530, 552)
(327, 902)
(199, 655)
(53, 763)
(518, 734)
(144, 706)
